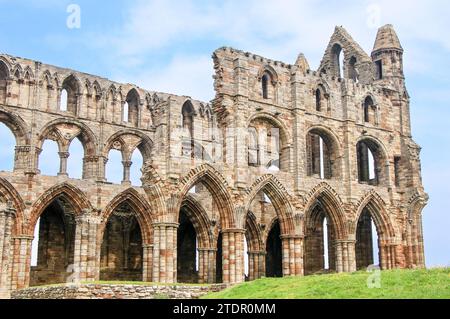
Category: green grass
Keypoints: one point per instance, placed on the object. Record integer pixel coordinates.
(395, 284)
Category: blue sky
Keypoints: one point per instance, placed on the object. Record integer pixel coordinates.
(167, 46)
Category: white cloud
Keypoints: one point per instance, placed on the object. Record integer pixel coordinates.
(184, 75)
(278, 29)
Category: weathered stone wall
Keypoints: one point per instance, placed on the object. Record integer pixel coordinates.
(200, 158)
(94, 291)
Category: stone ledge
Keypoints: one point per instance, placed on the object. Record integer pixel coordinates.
(111, 291)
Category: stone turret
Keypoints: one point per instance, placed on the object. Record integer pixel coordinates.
(387, 54)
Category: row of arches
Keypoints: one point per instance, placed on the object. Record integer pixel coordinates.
(201, 227)
(75, 145)
(73, 97)
(125, 153)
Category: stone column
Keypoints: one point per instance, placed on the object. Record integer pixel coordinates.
(292, 248)
(165, 252)
(207, 269)
(6, 224)
(345, 255)
(257, 264)
(21, 262)
(126, 172)
(86, 262)
(233, 255)
(23, 157)
(147, 263)
(101, 175)
(89, 166)
(63, 156)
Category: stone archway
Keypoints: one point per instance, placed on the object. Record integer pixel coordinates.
(269, 186)
(372, 218)
(325, 232)
(274, 256)
(125, 239)
(54, 222)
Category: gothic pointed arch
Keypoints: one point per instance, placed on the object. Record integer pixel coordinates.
(66, 191)
(199, 219)
(5, 68)
(253, 233)
(11, 198)
(324, 196)
(17, 125)
(268, 69)
(280, 198)
(127, 141)
(140, 207)
(64, 131)
(323, 152)
(375, 204)
(216, 185)
(284, 134)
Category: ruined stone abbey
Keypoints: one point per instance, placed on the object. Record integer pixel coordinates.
(288, 171)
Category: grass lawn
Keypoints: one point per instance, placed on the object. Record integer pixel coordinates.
(394, 284)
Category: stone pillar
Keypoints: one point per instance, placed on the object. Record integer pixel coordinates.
(101, 175)
(63, 156)
(387, 255)
(207, 269)
(21, 262)
(147, 263)
(257, 264)
(126, 172)
(6, 224)
(86, 262)
(89, 166)
(23, 157)
(345, 255)
(233, 255)
(292, 246)
(165, 253)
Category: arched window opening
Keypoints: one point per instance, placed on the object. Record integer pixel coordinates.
(63, 100)
(4, 74)
(367, 242)
(53, 245)
(125, 112)
(274, 260)
(379, 69)
(7, 147)
(352, 71)
(265, 85)
(188, 114)
(131, 113)
(368, 163)
(121, 250)
(136, 167)
(338, 61)
(75, 160)
(369, 111)
(48, 159)
(187, 250)
(69, 95)
(320, 253)
(253, 147)
(318, 100)
(322, 157)
(114, 167)
(265, 146)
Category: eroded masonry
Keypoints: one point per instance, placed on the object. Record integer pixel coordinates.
(288, 171)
